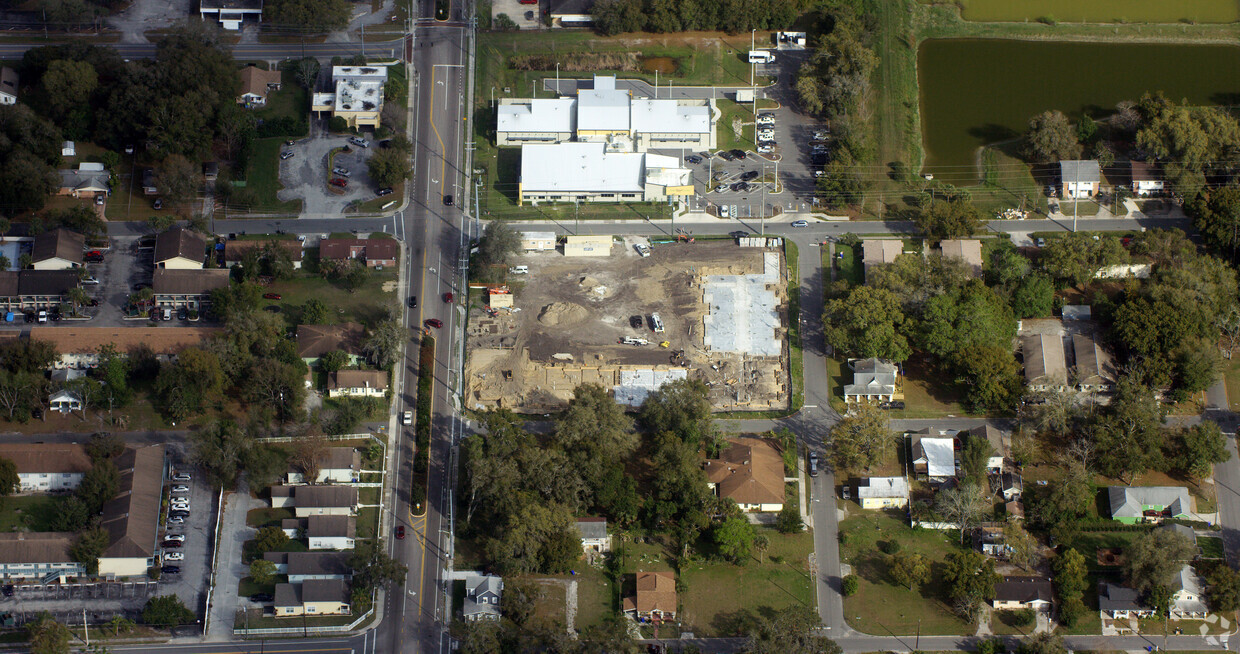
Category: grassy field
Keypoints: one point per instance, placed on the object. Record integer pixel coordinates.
(1102, 11)
(365, 306)
(927, 394)
(881, 607)
(291, 100)
(721, 596)
(263, 178)
(1211, 547)
(367, 522)
(1231, 377)
(732, 116)
(796, 363)
(596, 597)
(258, 518)
(29, 512)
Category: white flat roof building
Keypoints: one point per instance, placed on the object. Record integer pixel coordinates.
(669, 116)
(603, 108)
(557, 116)
(588, 172)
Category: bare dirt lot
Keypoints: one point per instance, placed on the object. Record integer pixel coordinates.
(571, 314)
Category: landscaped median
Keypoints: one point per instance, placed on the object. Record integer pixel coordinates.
(422, 422)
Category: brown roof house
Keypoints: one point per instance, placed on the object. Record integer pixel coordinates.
(1095, 371)
(303, 566)
(179, 248)
(331, 532)
(374, 252)
(357, 383)
(655, 598)
(315, 500)
(750, 471)
(1023, 593)
(968, 250)
(313, 341)
(256, 83)
(879, 252)
(79, 346)
(58, 249)
(1146, 179)
(1045, 369)
(44, 467)
(312, 597)
(235, 252)
(187, 288)
(132, 517)
(38, 555)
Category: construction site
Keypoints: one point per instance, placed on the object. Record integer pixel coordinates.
(632, 319)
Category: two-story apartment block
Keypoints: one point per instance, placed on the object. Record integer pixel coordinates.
(358, 97)
(44, 467)
(336, 465)
(309, 501)
(312, 597)
(331, 532)
(304, 566)
(59, 249)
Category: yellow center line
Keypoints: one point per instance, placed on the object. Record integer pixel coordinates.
(430, 116)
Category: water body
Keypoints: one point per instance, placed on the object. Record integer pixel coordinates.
(975, 92)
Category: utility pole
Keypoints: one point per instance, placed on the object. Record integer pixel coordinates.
(86, 627)
(557, 78)
(363, 41)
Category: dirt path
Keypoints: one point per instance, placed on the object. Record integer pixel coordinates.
(570, 604)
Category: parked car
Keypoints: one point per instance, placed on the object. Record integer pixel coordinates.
(406, 418)
(99, 200)
(400, 532)
(725, 211)
(846, 491)
(447, 297)
(8, 590)
(172, 543)
(286, 155)
(336, 181)
(93, 257)
(182, 313)
(174, 556)
(262, 597)
(738, 153)
(813, 464)
(176, 521)
(642, 250)
(749, 175)
(693, 159)
(727, 156)
(90, 281)
(766, 148)
(171, 569)
(180, 538)
(738, 234)
(180, 489)
(434, 322)
(359, 142)
(42, 316)
(271, 296)
(383, 191)
(343, 172)
(159, 203)
(181, 476)
(179, 513)
(721, 188)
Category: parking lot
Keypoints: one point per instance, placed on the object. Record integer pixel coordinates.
(526, 16)
(123, 266)
(190, 584)
(305, 175)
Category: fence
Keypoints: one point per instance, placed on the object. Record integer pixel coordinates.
(291, 439)
(305, 631)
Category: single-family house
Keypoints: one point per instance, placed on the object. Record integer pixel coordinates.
(59, 249)
(882, 493)
(1120, 602)
(150, 185)
(211, 170)
(312, 597)
(315, 500)
(876, 252)
(294, 528)
(1146, 178)
(967, 250)
(654, 599)
(336, 465)
(1079, 178)
(1009, 485)
(1023, 593)
(313, 341)
(357, 383)
(304, 566)
(537, 241)
(874, 380)
(374, 252)
(1095, 370)
(79, 347)
(256, 83)
(238, 252)
(1045, 369)
(231, 13)
(749, 471)
(1135, 504)
(331, 532)
(991, 540)
(594, 536)
(179, 248)
(8, 86)
(999, 443)
(64, 401)
(1183, 530)
(934, 458)
(482, 595)
(187, 288)
(87, 181)
(1188, 600)
(47, 467)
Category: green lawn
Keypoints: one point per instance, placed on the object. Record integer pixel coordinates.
(263, 178)
(367, 522)
(796, 363)
(365, 306)
(258, 518)
(881, 607)
(29, 512)
(1211, 547)
(1231, 377)
(927, 394)
(291, 100)
(1103, 11)
(596, 599)
(847, 268)
(247, 586)
(368, 495)
(721, 597)
(726, 128)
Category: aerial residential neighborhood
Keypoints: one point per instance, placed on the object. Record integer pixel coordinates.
(594, 326)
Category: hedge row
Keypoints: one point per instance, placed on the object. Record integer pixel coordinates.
(422, 421)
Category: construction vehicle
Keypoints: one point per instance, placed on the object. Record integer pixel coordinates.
(665, 344)
(631, 340)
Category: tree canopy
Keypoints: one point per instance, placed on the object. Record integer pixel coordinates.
(1050, 138)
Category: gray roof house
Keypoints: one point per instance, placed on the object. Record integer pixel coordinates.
(482, 593)
(1121, 602)
(873, 380)
(1133, 504)
(594, 536)
(1183, 530)
(1080, 177)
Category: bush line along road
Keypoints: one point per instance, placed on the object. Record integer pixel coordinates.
(414, 617)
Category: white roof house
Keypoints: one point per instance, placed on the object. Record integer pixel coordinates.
(669, 116)
(934, 457)
(873, 379)
(603, 108)
(557, 115)
(882, 492)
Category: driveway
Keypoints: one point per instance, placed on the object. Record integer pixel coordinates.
(305, 176)
(228, 567)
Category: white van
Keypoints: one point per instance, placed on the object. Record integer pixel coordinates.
(761, 57)
(656, 323)
(519, 270)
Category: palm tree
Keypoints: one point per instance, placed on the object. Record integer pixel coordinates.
(78, 297)
(760, 543)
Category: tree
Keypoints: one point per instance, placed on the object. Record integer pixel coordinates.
(862, 439)
(1077, 257)
(384, 344)
(1068, 499)
(1129, 434)
(314, 312)
(269, 539)
(308, 15)
(681, 407)
(68, 84)
(178, 179)
(221, 449)
(277, 385)
(991, 377)
(974, 457)
(1189, 141)
(963, 505)
(47, 636)
(389, 167)
(794, 630)
(1043, 643)
(1006, 265)
(1216, 215)
(71, 514)
(949, 219)
(189, 384)
(262, 571)
(1071, 574)
(1197, 366)
(869, 322)
(849, 585)
(1033, 296)
(100, 484)
(27, 176)
(1023, 549)
(1050, 138)
(104, 446)
(166, 611)
(788, 520)
(909, 569)
(373, 568)
(596, 434)
(1153, 560)
(498, 244)
(88, 547)
(1222, 587)
(308, 455)
(734, 538)
(965, 319)
(1196, 449)
(970, 579)
(10, 482)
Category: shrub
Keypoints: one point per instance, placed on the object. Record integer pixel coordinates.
(789, 520)
(889, 546)
(338, 124)
(849, 585)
